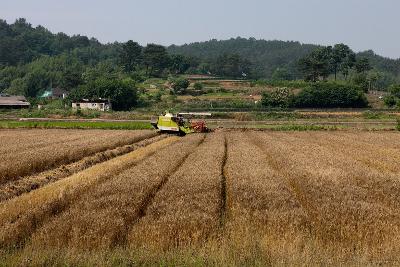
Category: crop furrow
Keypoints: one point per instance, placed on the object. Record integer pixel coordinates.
(223, 205)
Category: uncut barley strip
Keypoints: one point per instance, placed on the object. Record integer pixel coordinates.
(335, 163)
(38, 157)
(102, 216)
(292, 179)
(70, 139)
(22, 142)
(375, 154)
(386, 139)
(350, 214)
(41, 159)
(27, 184)
(331, 166)
(343, 215)
(259, 199)
(187, 210)
(19, 217)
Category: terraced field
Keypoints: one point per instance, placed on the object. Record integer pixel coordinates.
(224, 198)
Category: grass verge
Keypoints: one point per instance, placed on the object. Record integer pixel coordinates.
(125, 125)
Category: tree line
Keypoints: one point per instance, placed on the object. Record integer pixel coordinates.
(32, 60)
(280, 60)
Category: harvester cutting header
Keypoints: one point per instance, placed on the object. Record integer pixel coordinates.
(181, 123)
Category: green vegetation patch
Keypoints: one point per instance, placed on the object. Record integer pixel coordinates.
(130, 125)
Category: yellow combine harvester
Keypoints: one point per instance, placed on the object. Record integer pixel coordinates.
(180, 123)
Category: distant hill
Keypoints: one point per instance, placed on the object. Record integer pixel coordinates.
(267, 56)
(33, 59)
(20, 43)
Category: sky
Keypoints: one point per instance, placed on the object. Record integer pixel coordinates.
(361, 24)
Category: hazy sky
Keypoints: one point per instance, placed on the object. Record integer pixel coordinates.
(362, 24)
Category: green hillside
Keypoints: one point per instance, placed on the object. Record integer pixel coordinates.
(268, 56)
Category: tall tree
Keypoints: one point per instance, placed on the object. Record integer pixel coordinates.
(231, 65)
(131, 55)
(316, 65)
(362, 65)
(342, 59)
(155, 59)
(179, 64)
(348, 64)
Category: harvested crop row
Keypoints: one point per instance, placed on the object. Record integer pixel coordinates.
(29, 183)
(355, 208)
(20, 217)
(27, 162)
(187, 210)
(102, 217)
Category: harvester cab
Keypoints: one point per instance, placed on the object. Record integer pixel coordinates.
(181, 123)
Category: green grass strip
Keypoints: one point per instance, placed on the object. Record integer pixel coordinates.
(76, 125)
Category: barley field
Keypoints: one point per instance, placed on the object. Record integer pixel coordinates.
(24, 152)
(228, 198)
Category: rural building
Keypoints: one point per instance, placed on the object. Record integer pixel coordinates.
(11, 101)
(93, 104)
(55, 93)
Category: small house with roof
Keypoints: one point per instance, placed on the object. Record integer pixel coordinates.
(99, 104)
(13, 102)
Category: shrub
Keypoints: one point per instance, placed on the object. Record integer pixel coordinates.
(395, 90)
(198, 86)
(331, 95)
(390, 101)
(281, 97)
(180, 85)
(371, 115)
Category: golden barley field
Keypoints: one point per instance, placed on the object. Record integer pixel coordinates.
(228, 198)
(24, 152)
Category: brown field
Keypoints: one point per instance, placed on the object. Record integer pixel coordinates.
(236, 198)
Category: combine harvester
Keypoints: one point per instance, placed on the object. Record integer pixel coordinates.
(181, 123)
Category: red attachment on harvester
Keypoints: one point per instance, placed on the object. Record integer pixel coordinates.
(199, 126)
